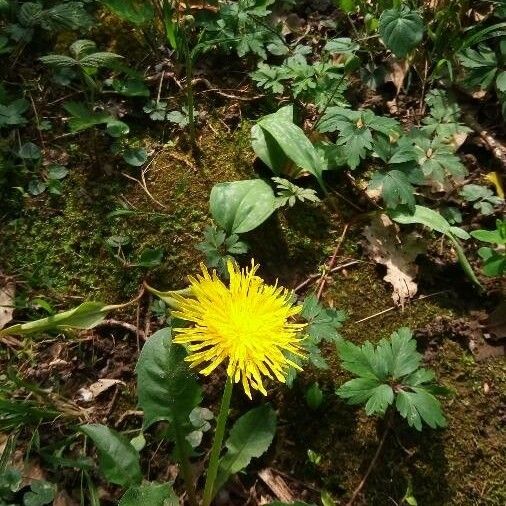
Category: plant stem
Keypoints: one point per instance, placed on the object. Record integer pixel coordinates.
(184, 462)
(189, 91)
(357, 491)
(212, 470)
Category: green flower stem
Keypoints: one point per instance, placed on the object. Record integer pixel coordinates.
(184, 462)
(212, 470)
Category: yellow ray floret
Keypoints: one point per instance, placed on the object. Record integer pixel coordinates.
(246, 325)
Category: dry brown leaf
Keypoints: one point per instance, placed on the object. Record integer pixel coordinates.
(397, 70)
(7, 293)
(97, 388)
(384, 247)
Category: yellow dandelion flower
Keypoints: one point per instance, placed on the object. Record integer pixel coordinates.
(245, 324)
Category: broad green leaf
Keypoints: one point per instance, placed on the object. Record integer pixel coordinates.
(41, 493)
(136, 157)
(250, 437)
(418, 406)
(117, 128)
(401, 30)
(166, 388)
(268, 150)
(291, 141)
(241, 206)
(85, 316)
(137, 12)
(150, 494)
(118, 459)
(29, 151)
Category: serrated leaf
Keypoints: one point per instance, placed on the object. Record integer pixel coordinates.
(358, 390)
(396, 189)
(250, 437)
(379, 399)
(399, 353)
(322, 322)
(118, 459)
(418, 406)
(358, 359)
(167, 390)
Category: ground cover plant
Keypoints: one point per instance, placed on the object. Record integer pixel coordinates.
(252, 252)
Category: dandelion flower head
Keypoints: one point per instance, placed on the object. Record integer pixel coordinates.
(245, 324)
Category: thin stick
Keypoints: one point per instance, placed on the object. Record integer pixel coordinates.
(312, 278)
(37, 120)
(373, 462)
(422, 297)
(145, 188)
(331, 263)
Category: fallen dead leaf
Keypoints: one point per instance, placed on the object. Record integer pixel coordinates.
(397, 70)
(99, 387)
(384, 247)
(7, 293)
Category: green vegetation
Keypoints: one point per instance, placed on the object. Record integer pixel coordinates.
(349, 151)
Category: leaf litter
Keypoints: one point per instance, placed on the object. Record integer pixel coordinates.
(384, 247)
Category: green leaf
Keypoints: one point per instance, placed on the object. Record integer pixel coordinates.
(500, 81)
(396, 189)
(323, 322)
(358, 390)
(348, 5)
(12, 114)
(250, 437)
(137, 12)
(81, 118)
(399, 354)
(314, 396)
(117, 128)
(427, 217)
(401, 30)
(418, 406)
(150, 258)
(58, 60)
(379, 399)
(57, 172)
(29, 151)
(118, 459)
(85, 316)
(241, 206)
(293, 143)
(150, 494)
(136, 157)
(167, 390)
(41, 493)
